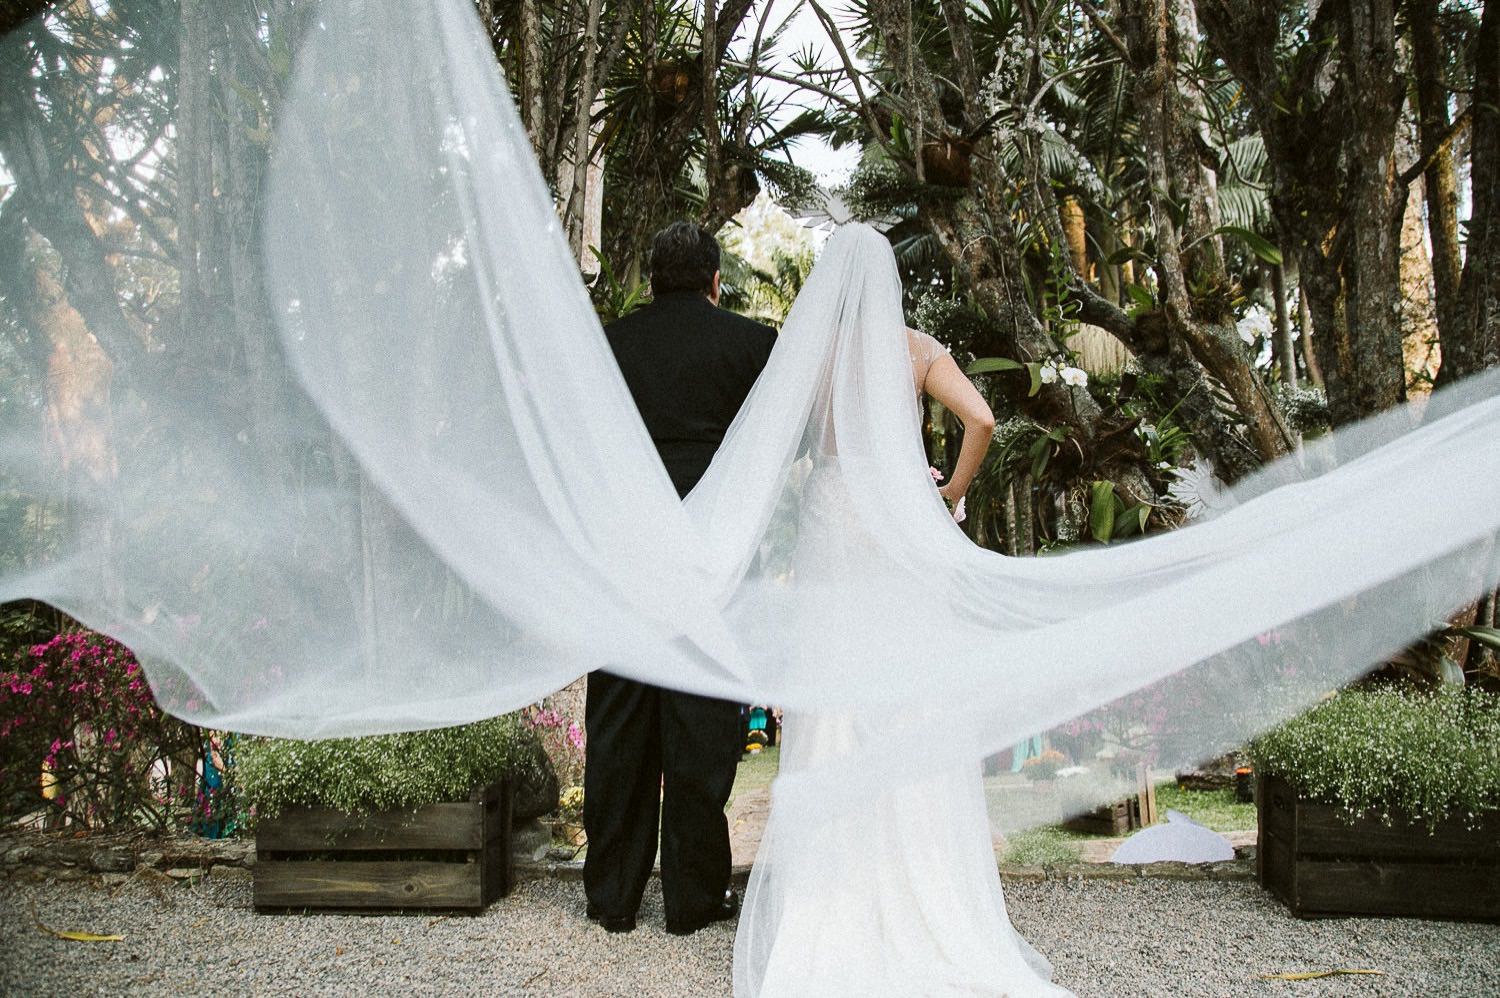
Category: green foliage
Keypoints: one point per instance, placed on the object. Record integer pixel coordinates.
(880, 187)
(1219, 810)
(1112, 518)
(1023, 447)
(612, 298)
(24, 623)
(1059, 307)
(765, 295)
(1427, 753)
(1255, 242)
(382, 772)
(955, 322)
(793, 186)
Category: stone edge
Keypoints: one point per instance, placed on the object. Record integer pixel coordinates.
(57, 856)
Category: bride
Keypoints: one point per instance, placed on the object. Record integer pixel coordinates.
(916, 907)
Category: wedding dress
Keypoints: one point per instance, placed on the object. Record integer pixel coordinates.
(894, 890)
(393, 479)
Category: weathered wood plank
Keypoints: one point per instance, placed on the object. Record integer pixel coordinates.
(1324, 831)
(1429, 890)
(1320, 864)
(1111, 819)
(1277, 867)
(372, 876)
(436, 826)
(497, 858)
(362, 884)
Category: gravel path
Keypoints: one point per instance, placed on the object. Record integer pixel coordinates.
(1140, 937)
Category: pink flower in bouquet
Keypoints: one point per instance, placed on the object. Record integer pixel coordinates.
(959, 514)
(937, 476)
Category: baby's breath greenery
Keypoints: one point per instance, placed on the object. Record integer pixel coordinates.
(955, 323)
(1427, 754)
(1048, 846)
(383, 772)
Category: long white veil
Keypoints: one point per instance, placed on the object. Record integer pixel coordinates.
(394, 479)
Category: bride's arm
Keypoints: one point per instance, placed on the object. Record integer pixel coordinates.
(949, 385)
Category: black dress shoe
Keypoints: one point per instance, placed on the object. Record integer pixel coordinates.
(727, 909)
(612, 923)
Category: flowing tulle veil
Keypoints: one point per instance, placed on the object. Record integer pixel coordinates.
(400, 483)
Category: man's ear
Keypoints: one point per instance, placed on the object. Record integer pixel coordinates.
(713, 290)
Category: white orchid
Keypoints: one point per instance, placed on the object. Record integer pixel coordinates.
(1077, 377)
(1254, 324)
(1048, 374)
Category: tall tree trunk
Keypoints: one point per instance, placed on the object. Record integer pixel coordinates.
(1285, 346)
(1439, 180)
(1305, 329)
(1475, 340)
(1076, 230)
(196, 210)
(581, 160)
(243, 172)
(532, 93)
(1419, 303)
(52, 208)
(1161, 36)
(712, 140)
(1328, 114)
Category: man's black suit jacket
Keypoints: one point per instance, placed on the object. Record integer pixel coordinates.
(689, 365)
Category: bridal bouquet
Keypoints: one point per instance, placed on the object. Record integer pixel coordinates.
(959, 515)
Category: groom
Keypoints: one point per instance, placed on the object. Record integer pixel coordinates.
(689, 365)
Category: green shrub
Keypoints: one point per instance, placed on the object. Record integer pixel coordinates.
(383, 772)
(1429, 754)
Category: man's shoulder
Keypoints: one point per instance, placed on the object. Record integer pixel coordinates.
(685, 312)
(746, 326)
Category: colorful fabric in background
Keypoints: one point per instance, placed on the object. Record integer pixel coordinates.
(218, 814)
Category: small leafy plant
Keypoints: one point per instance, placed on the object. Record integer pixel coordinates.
(383, 772)
(1430, 754)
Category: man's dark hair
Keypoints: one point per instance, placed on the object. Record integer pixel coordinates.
(684, 257)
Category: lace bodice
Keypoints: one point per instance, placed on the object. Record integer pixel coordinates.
(924, 350)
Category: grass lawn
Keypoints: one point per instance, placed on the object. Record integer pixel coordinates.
(756, 772)
(1050, 844)
(1044, 846)
(1216, 809)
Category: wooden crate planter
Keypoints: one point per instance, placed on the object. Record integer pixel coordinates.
(1123, 816)
(1313, 859)
(451, 856)
(1119, 818)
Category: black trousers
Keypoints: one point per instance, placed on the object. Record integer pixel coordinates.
(656, 755)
